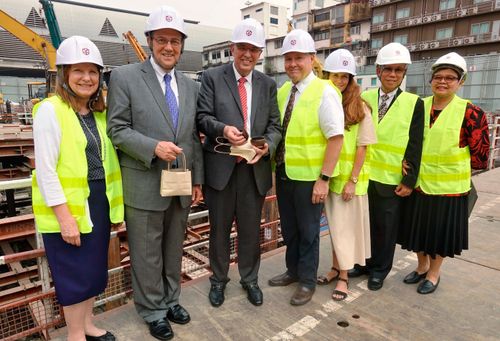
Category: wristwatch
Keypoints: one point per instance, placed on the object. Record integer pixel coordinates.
(354, 179)
(324, 177)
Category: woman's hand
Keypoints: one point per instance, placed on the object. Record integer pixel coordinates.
(349, 191)
(70, 232)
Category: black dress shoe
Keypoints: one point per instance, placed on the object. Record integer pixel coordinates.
(161, 329)
(177, 314)
(357, 271)
(414, 277)
(216, 294)
(427, 287)
(255, 295)
(375, 283)
(282, 280)
(106, 337)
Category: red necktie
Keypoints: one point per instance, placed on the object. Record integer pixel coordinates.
(243, 99)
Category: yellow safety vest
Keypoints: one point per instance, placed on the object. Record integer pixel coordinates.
(335, 88)
(387, 154)
(72, 171)
(445, 167)
(304, 141)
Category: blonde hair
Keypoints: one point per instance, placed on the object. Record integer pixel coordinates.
(71, 100)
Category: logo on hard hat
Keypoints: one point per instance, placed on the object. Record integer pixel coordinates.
(249, 33)
(86, 51)
(169, 18)
(345, 63)
(398, 52)
(293, 42)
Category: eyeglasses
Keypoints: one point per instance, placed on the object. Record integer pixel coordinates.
(164, 42)
(398, 71)
(245, 48)
(447, 79)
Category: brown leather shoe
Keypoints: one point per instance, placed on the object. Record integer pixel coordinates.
(302, 295)
(282, 280)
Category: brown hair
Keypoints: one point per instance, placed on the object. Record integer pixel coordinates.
(352, 103)
(71, 100)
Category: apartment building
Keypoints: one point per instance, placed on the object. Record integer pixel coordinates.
(433, 28)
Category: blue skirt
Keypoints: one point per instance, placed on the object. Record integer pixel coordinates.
(80, 273)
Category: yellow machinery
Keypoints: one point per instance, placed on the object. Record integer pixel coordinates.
(36, 42)
(139, 51)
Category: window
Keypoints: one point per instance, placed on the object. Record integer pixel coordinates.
(205, 57)
(301, 19)
(444, 33)
(215, 55)
(338, 14)
(403, 13)
(273, 21)
(373, 81)
(480, 1)
(258, 10)
(402, 39)
(356, 29)
(446, 4)
(321, 35)
(376, 43)
(278, 43)
(322, 17)
(338, 36)
(481, 28)
(359, 81)
(274, 10)
(227, 53)
(246, 16)
(378, 18)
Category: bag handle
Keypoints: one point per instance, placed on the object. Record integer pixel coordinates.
(184, 167)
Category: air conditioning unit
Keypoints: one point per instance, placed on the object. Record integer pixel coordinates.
(495, 36)
(474, 10)
(423, 46)
(461, 12)
(412, 47)
(389, 25)
(426, 19)
(436, 17)
(411, 22)
(497, 4)
(457, 42)
(376, 2)
(469, 40)
(434, 45)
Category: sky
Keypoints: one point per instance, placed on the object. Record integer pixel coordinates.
(220, 13)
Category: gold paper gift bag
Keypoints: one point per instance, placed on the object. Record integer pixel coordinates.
(176, 182)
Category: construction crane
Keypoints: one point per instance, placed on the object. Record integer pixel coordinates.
(50, 17)
(42, 46)
(139, 51)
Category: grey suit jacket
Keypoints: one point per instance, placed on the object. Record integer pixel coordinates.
(219, 105)
(138, 118)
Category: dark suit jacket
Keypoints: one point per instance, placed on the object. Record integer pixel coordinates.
(138, 118)
(219, 105)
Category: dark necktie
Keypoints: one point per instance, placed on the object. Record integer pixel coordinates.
(171, 100)
(382, 109)
(280, 152)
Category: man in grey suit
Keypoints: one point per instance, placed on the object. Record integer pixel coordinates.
(235, 102)
(151, 119)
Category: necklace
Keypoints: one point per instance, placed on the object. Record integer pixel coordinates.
(100, 152)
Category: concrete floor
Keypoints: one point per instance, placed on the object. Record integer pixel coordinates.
(464, 307)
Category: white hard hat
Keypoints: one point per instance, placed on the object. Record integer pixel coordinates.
(249, 31)
(340, 60)
(393, 53)
(76, 49)
(165, 17)
(453, 60)
(298, 41)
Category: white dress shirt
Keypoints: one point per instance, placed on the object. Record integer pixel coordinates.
(160, 73)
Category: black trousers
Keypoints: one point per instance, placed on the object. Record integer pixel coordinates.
(300, 226)
(385, 213)
(241, 201)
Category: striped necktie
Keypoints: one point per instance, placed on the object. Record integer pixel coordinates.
(382, 109)
(171, 100)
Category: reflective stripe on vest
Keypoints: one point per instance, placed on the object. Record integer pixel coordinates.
(72, 171)
(346, 162)
(387, 154)
(445, 167)
(305, 143)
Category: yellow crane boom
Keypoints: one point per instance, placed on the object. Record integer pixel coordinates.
(139, 51)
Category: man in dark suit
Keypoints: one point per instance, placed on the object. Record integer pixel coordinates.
(236, 101)
(399, 122)
(151, 119)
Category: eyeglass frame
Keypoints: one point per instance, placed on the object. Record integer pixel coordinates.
(446, 79)
(389, 70)
(244, 47)
(175, 43)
